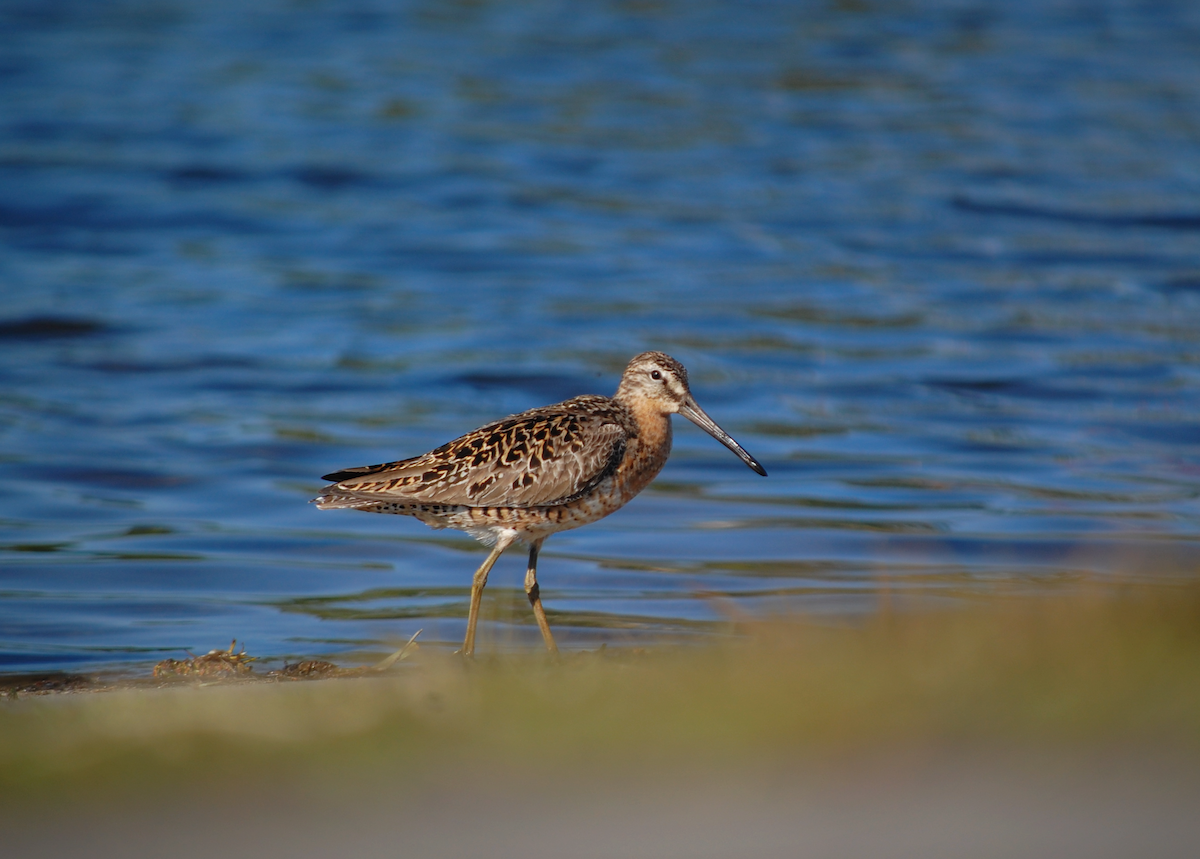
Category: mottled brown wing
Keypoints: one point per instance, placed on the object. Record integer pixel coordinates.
(538, 458)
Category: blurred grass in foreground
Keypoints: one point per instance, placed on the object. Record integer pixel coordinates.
(1110, 667)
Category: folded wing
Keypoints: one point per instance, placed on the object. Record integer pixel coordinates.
(538, 458)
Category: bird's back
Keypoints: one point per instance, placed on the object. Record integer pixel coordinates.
(544, 457)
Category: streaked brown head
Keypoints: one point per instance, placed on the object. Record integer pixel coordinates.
(655, 377)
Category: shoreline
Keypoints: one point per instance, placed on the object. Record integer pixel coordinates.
(1020, 727)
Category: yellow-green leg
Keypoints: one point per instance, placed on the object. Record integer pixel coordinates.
(477, 585)
(535, 597)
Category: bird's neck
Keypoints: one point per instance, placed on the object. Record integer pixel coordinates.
(654, 428)
(649, 452)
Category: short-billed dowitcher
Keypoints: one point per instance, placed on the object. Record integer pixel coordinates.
(531, 475)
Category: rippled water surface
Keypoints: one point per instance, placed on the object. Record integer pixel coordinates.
(935, 264)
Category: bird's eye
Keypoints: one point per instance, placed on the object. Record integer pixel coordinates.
(654, 374)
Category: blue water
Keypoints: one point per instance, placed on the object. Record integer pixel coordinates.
(935, 264)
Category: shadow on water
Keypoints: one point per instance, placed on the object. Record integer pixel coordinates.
(1114, 220)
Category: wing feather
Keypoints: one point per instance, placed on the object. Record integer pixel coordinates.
(538, 458)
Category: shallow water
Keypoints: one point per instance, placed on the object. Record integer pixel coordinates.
(937, 266)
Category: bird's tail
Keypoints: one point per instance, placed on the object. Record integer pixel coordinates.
(331, 499)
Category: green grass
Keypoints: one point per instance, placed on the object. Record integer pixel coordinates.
(1097, 669)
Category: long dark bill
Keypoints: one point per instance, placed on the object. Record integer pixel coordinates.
(696, 415)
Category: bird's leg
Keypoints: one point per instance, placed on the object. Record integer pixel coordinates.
(477, 585)
(535, 597)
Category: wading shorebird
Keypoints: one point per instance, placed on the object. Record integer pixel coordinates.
(534, 474)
